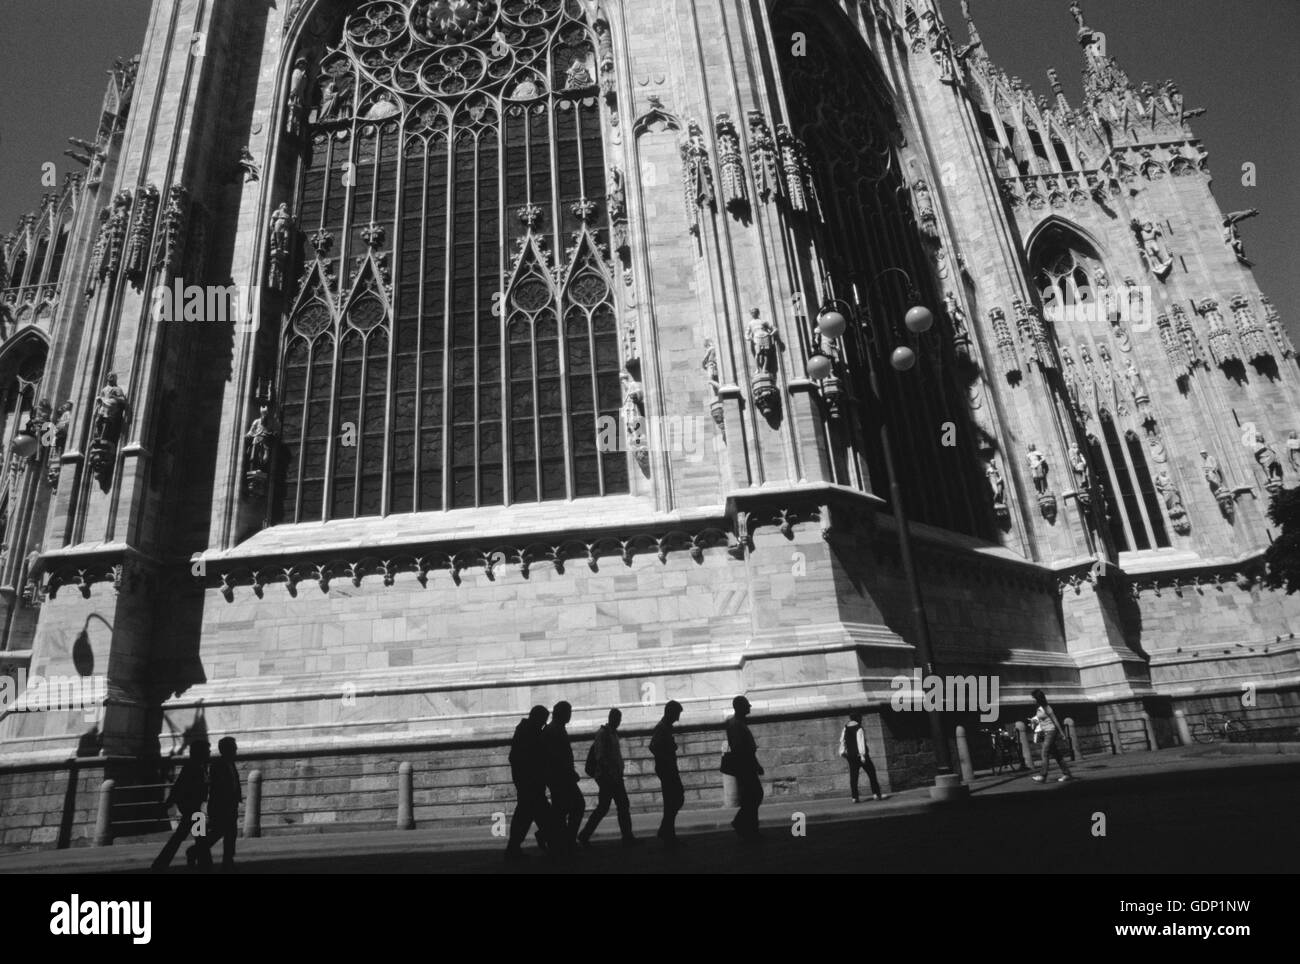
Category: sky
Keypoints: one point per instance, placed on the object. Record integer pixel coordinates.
(1229, 56)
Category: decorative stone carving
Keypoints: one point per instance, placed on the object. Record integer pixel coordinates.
(1223, 344)
(1173, 502)
(763, 158)
(799, 190)
(62, 425)
(731, 167)
(279, 246)
(1082, 481)
(1032, 334)
(923, 205)
(605, 58)
(107, 257)
(137, 250)
(171, 233)
(1293, 450)
(260, 442)
(957, 318)
(1232, 237)
(697, 175)
(761, 336)
(248, 165)
(1251, 333)
(616, 202)
(1158, 260)
(297, 97)
(1038, 469)
(1276, 330)
(1269, 462)
(110, 413)
(633, 419)
(998, 488)
(1005, 342)
(710, 366)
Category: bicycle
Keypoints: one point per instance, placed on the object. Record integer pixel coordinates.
(1219, 728)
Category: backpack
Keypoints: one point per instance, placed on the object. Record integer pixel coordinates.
(591, 757)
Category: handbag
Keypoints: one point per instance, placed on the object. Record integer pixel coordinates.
(728, 765)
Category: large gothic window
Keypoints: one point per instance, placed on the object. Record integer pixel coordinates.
(450, 336)
(869, 252)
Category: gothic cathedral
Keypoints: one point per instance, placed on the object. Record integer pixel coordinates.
(396, 365)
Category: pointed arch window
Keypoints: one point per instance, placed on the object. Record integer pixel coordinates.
(452, 253)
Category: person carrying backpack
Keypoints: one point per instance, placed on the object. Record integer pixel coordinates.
(605, 766)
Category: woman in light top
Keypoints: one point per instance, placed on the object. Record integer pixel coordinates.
(1049, 727)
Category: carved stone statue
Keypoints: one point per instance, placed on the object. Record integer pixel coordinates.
(762, 340)
(297, 97)
(1079, 463)
(925, 216)
(261, 436)
(710, 366)
(110, 410)
(955, 313)
(248, 165)
(1158, 260)
(1293, 451)
(281, 221)
(1213, 474)
(1173, 501)
(1268, 461)
(1232, 237)
(1137, 384)
(1037, 469)
(997, 485)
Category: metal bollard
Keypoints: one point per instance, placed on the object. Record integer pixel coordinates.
(104, 816)
(405, 797)
(1184, 731)
(253, 806)
(1075, 752)
(963, 756)
(1026, 748)
(1116, 744)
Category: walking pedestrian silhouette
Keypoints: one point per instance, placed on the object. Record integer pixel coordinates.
(664, 749)
(605, 766)
(528, 771)
(188, 794)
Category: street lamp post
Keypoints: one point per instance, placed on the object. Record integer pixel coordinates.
(831, 323)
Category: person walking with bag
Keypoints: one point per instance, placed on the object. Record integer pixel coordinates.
(741, 762)
(1049, 728)
(188, 793)
(854, 750)
(605, 766)
(664, 749)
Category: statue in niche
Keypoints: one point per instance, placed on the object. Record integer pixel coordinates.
(281, 221)
(578, 76)
(1037, 469)
(261, 436)
(1232, 237)
(710, 366)
(1079, 463)
(1157, 448)
(1213, 474)
(1268, 461)
(955, 313)
(297, 97)
(1158, 260)
(110, 411)
(762, 341)
(1173, 501)
(329, 100)
(998, 487)
(1293, 451)
(1137, 384)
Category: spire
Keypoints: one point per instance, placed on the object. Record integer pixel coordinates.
(1057, 89)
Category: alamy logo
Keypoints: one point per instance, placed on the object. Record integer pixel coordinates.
(42, 694)
(653, 433)
(955, 694)
(75, 918)
(224, 304)
(1130, 304)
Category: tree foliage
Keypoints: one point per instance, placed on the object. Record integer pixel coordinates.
(1283, 556)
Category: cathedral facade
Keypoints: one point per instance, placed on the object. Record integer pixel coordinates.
(397, 365)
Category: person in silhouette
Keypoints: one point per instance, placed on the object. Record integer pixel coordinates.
(664, 749)
(853, 748)
(567, 802)
(188, 794)
(744, 752)
(605, 766)
(224, 797)
(528, 772)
